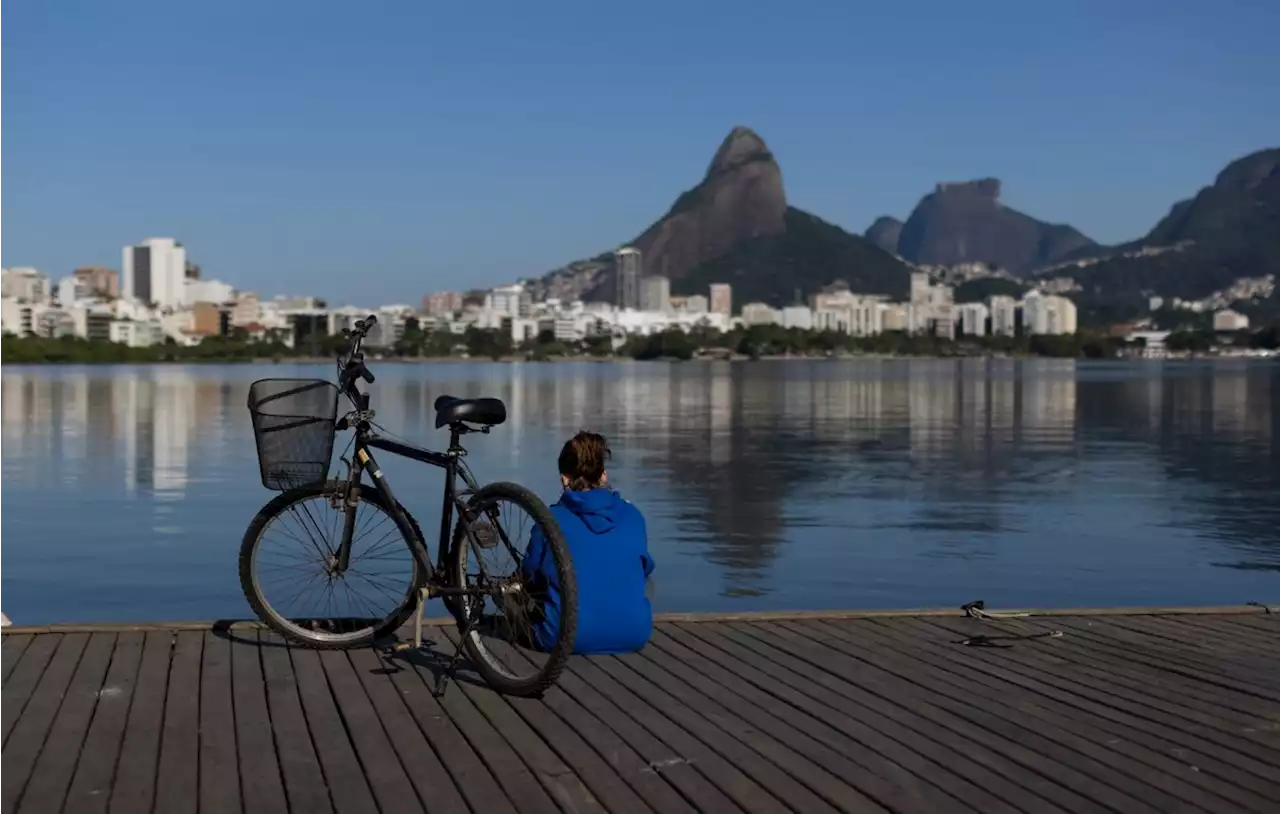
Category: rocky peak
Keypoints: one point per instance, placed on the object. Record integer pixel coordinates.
(739, 198)
(988, 188)
(965, 222)
(741, 146)
(1243, 200)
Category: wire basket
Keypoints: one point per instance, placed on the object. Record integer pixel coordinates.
(293, 426)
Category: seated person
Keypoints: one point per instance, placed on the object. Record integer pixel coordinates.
(608, 544)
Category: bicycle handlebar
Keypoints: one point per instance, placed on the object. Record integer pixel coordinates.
(355, 365)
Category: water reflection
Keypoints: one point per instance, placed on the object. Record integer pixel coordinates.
(798, 484)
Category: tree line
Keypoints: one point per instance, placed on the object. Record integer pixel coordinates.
(755, 341)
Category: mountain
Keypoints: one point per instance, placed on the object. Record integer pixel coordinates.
(1229, 230)
(735, 226)
(885, 233)
(966, 223)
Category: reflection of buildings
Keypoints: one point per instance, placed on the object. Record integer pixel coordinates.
(80, 425)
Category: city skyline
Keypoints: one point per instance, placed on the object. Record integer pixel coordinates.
(437, 130)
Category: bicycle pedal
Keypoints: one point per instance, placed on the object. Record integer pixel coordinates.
(484, 535)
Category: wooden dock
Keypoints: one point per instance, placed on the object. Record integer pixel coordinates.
(1146, 712)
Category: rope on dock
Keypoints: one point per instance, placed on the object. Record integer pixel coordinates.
(977, 609)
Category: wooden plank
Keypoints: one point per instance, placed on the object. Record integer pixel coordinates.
(756, 754)
(1267, 623)
(426, 769)
(940, 672)
(1137, 752)
(219, 765)
(90, 790)
(875, 684)
(622, 734)
(11, 651)
(1146, 705)
(382, 767)
(744, 792)
(28, 736)
(134, 786)
(24, 680)
(513, 775)
(862, 773)
(1080, 659)
(469, 773)
(346, 780)
(1140, 646)
(177, 779)
(1230, 631)
(1151, 703)
(910, 741)
(1106, 695)
(304, 782)
(572, 773)
(1088, 778)
(959, 664)
(261, 783)
(51, 776)
(617, 755)
(1230, 652)
(1135, 777)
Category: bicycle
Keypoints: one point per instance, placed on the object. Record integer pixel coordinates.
(295, 424)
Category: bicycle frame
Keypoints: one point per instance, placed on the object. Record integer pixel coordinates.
(450, 461)
(454, 467)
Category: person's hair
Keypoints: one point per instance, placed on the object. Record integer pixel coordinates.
(582, 460)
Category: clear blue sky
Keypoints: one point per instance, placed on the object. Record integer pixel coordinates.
(373, 151)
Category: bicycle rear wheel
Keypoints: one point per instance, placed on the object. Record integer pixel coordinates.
(287, 569)
(504, 625)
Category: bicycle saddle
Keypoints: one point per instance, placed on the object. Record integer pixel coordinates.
(453, 410)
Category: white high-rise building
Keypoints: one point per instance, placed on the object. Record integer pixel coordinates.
(628, 266)
(155, 271)
(721, 298)
(1048, 315)
(655, 294)
(1004, 315)
(973, 318)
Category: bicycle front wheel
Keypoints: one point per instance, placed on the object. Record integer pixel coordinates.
(517, 623)
(289, 574)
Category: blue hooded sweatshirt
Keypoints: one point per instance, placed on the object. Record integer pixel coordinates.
(609, 545)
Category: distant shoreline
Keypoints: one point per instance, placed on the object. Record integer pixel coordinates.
(587, 360)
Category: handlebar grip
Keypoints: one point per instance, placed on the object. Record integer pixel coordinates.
(366, 374)
(371, 320)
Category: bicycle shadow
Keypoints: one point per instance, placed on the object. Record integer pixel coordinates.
(395, 654)
(431, 661)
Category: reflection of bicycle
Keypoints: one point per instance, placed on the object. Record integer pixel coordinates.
(308, 575)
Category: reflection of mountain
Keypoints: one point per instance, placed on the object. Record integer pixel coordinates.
(1216, 427)
(730, 478)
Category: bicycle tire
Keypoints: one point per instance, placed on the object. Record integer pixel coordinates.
(558, 656)
(409, 531)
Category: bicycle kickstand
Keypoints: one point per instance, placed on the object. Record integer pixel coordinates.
(423, 595)
(450, 672)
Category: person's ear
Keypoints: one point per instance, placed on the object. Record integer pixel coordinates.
(604, 478)
(564, 481)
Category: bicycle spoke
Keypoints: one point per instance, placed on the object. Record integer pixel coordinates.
(295, 568)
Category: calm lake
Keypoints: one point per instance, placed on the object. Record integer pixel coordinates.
(767, 485)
